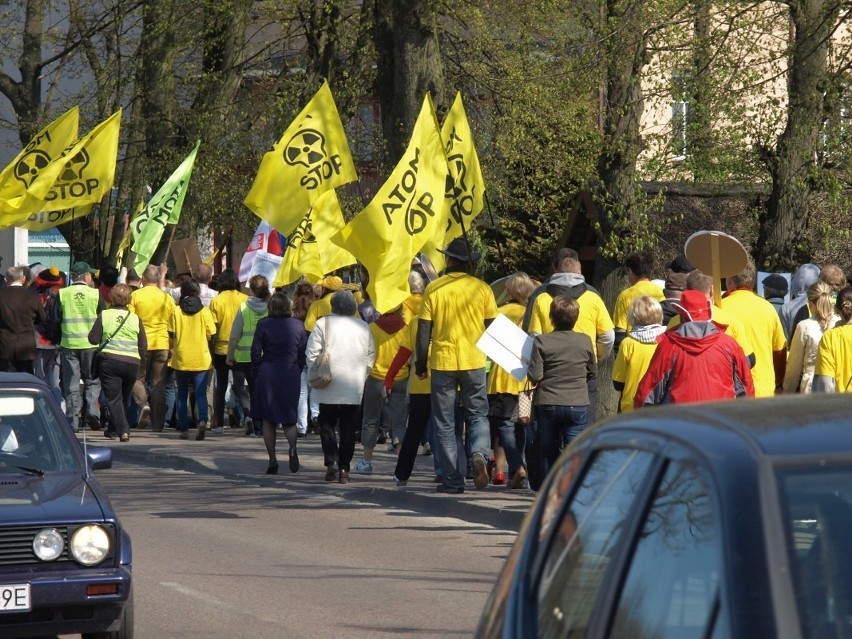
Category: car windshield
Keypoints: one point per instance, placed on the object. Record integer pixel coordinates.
(32, 441)
(819, 519)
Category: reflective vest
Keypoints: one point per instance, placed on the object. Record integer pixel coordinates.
(126, 340)
(79, 312)
(242, 353)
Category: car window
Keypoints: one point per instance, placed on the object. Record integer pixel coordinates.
(31, 436)
(673, 579)
(819, 521)
(584, 540)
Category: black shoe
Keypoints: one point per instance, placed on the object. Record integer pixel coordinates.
(294, 461)
(343, 477)
(109, 434)
(382, 438)
(331, 472)
(450, 490)
(272, 469)
(93, 422)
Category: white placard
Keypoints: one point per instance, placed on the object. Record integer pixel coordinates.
(507, 345)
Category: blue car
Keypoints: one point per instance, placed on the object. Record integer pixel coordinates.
(65, 561)
(727, 520)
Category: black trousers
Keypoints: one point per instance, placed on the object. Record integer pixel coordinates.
(117, 380)
(16, 366)
(345, 417)
(419, 412)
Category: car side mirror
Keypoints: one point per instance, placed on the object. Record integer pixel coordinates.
(100, 458)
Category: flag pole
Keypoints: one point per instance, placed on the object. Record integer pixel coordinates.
(493, 224)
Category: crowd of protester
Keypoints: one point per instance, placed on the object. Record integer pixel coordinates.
(147, 352)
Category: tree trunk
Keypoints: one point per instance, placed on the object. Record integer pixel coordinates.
(409, 65)
(781, 227)
(157, 81)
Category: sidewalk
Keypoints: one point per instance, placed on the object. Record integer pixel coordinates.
(236, 456)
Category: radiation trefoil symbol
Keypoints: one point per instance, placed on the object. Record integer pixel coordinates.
(27, 169)
(307, 148)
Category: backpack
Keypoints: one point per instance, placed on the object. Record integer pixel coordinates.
(52, 330)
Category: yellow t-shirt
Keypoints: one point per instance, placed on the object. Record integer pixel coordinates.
(318, 308)
(192, 333)
(457, 305)
(155, 309)
(499, 380)
(416, 386)
(224, 308)
(834, 357)
(593, 319)
(764, 330)
(387, 345)
(631, 364)
(626, 297)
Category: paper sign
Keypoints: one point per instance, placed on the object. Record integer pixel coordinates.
(186, 255)
(508, 346)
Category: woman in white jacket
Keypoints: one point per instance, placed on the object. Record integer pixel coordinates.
(805, 341)
(352, 354)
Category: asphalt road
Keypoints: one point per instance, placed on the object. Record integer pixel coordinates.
(217, 558)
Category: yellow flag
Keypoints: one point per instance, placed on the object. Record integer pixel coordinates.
(82, 175)
(465, 196)
(309, 248)
(44, 220)
(311, 158)
(403, 215)
(127, 239)
(44, 148)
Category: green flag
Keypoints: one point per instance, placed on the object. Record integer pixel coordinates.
(163, 208)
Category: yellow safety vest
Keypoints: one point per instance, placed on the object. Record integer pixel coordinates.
(242, 353)
(79, 312)
(126, 340)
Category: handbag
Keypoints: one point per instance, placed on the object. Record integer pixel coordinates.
(96, 358)
(523, 411)
(319, 372)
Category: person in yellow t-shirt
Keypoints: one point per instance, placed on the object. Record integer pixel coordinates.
(457, 308)
(190, 332)
(631, 362)
(833, 370)
(698, 281)
(503, 388)
(764, 330)
(322, 306)
(594, 319)
(155, 309)
(638, 267)
(224, 308)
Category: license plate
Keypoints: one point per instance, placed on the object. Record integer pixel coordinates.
(15, 598)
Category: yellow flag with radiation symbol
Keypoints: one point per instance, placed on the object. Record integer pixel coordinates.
(82, 175)
(310, 252)
(465, 197)
(44, 148)
(312, 157)
(403, 215)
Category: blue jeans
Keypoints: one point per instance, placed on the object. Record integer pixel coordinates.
(557, 427)
(509, 441)
(198, 379)
(471, 385)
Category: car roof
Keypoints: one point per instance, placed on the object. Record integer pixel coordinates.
(795, 427)
(20, 379)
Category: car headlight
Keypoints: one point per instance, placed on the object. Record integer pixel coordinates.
(89, 544)
(48, 544)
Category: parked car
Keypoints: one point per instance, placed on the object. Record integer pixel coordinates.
(729, 519)
(65, 560)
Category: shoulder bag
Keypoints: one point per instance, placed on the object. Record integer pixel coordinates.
(319, 373)
(524, 408)
(96, 358)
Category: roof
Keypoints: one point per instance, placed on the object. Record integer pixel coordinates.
(795, 426)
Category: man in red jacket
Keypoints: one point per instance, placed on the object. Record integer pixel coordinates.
(696, 361)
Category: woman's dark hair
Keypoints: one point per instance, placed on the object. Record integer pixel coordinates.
(280, 306)
(259, 287)
(189, 288)
(564, 312)
(844, 303)
(305, 296)
(228, 280)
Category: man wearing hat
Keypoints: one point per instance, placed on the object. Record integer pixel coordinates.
(79, 305)
(775, 290)
(322, 306)
(456, 309)
(696, 361)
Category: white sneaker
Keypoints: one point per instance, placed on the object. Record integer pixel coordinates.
(364, 467)
(219, 430)
(145, 417)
